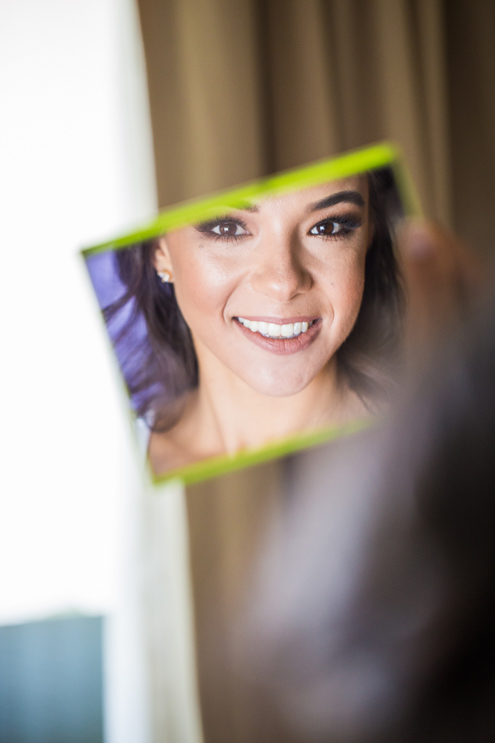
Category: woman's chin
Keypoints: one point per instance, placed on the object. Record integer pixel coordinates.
(277, 385)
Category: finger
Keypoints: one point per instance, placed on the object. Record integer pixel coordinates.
(440, 275)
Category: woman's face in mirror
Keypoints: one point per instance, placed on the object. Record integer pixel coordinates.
(271, 291)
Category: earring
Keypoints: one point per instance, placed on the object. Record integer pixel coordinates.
(165, 276)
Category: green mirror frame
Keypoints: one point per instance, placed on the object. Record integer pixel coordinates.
(372, 158)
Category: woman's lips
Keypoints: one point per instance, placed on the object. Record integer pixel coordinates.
(281, 337)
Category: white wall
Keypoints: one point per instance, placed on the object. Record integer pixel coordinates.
(75, 168)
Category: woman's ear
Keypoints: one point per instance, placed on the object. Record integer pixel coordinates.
(161, 256)
(162, 262)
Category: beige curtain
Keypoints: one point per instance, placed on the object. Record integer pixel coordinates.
(242, 88)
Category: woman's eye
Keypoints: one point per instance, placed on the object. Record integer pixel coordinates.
(223, 229)
(326, 228)
(336, 227)
(229, 229)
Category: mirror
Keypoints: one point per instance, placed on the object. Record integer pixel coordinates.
(260, 320)
(248, 326)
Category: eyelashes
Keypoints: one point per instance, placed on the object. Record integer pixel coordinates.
(336, 227)
(228, 229)
(232, 229)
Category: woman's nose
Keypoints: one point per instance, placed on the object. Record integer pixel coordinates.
(281, 273)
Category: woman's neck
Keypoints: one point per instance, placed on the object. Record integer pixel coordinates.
(226, 415)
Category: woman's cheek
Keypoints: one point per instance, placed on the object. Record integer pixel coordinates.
(203, 287)
(348, 302)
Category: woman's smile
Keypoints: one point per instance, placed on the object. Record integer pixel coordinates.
(280, 336)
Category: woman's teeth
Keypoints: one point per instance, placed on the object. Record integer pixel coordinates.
(273, 330)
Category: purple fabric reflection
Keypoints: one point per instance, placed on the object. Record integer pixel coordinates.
(132, 348)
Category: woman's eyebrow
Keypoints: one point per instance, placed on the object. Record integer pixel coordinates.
(354, 197)
(240, 206)
(247, 206)
(226, 212)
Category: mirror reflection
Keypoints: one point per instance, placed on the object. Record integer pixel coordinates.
(279, 315)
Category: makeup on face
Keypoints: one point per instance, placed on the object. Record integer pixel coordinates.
(232, 228)
(338, 216)
(279, 277)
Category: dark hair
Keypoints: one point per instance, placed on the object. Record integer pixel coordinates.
(160, 365)
(369, 359)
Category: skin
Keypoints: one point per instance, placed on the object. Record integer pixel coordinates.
(442, 277)
(280, 260)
